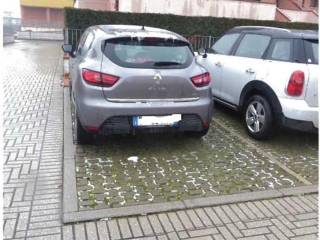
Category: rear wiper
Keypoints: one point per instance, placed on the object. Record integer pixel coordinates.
(166, 63)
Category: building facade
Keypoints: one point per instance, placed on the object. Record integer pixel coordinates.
(280, 10)
(100, 5)
(43, 14)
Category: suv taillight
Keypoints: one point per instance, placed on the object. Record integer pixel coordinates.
(201, 80)
(296, 82)
(98, 78)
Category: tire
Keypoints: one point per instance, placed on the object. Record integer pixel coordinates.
(258, 117)
(199, 134)
(80, 135)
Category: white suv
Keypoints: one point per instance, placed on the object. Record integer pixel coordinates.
(269, 74)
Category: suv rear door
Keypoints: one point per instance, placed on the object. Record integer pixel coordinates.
(244, 65)
(216, 58)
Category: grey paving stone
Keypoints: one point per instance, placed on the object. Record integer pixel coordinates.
(305, 230)
(165, 222)
(156, 225)
(203, 232)
(204, 217)
(185, 220)
(225, 219)
(91, 230)
(67, 232)
(114, 230)
(102, 230)
(226, 233)
(124, 228)
(175, 221)
(194, 218)
(306, 237)
(234, 230)
(135, 227)
(145, 225)
(9, 228)
(79, 231)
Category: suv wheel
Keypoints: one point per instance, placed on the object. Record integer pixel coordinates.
(258, 117)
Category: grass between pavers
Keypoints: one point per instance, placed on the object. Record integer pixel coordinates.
(72, 213)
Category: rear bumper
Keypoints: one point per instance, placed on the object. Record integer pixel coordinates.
(297, 114)
(95, 113)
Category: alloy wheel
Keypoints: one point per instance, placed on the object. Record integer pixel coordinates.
(255, 116)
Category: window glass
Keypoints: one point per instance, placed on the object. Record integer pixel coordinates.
(281, 50)
(253, 46)
(312, 50)
(87, 44)
(149, 53)
(224, 44)
(82, 40)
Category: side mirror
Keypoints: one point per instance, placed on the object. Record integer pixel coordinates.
(202, 52)
(68, 48)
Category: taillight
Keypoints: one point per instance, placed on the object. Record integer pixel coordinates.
(98, 78)
(296, 82)
(201, 80)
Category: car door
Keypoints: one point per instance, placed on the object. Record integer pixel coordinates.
(216, 58)
(244, 65)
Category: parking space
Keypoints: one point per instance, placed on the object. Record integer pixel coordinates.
(33, 169)
(131, 170)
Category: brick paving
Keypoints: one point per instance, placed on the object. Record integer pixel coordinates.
(33, 140)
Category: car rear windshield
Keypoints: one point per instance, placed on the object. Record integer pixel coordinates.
(149, 52)
(312, 50)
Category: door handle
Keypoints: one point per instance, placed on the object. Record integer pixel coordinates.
(218, 64)
(250, 71)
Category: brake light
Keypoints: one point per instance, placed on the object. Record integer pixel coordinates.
(98, 78)
(296, 82)
(201, 80)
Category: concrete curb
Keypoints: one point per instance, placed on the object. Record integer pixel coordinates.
(70, 201)
(71, 212)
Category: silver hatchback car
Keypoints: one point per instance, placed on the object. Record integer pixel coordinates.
(128, 78)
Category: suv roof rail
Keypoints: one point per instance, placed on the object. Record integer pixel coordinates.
(265, 27)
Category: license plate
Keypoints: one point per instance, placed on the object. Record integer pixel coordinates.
(168, 120)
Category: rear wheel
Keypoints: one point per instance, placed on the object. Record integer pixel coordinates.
(80, 135)
(258, 117)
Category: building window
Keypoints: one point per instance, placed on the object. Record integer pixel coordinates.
(314, 3)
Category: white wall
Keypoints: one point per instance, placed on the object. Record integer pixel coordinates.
(215, 8)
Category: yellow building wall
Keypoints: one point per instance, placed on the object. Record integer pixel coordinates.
(47, 3)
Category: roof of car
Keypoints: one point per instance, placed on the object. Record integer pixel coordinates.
(277, 32)
(112, 31)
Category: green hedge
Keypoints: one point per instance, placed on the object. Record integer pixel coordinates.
(188, 26)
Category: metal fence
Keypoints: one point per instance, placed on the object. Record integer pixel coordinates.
(72, 36)
(37, 35)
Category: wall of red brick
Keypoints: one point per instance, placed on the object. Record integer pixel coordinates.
(288, 4)
(281, 17)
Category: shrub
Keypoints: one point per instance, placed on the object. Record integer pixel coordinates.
(185, 25)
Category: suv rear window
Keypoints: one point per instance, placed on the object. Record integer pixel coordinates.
(312, 51)
(149, 52)
(280, 50)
